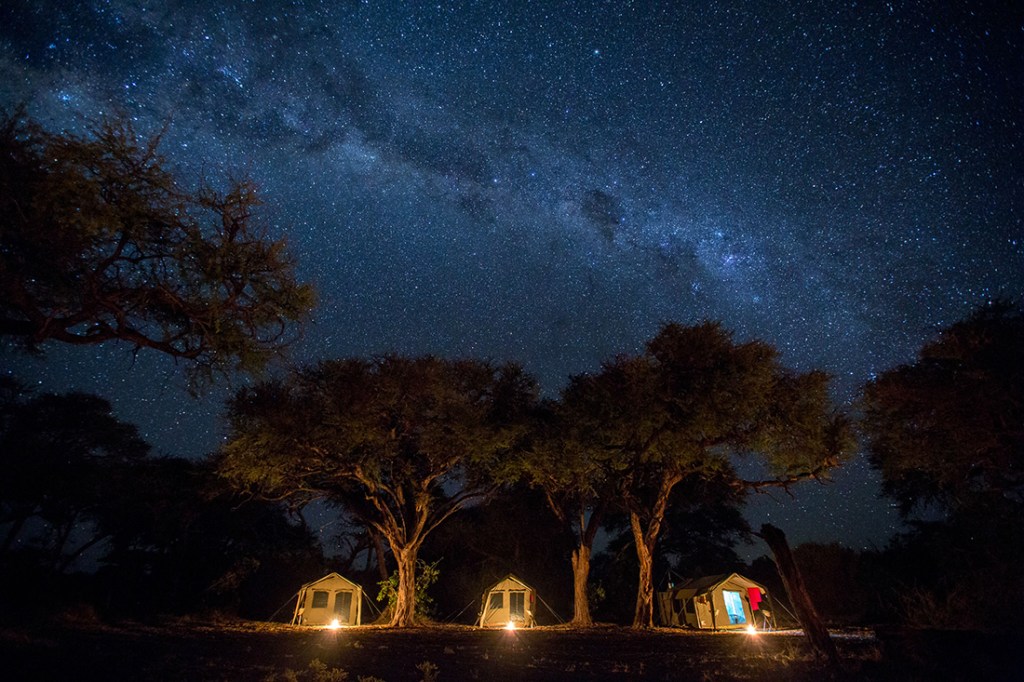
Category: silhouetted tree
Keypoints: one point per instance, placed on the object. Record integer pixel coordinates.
(63, 461)
(100, 242)
(945, 432)
(180, 539)
(576, 485)
(693, 401)
(400, 443)
(514, 532)
(166, 534)
(835, 581)
(947, 428)
(703, 524)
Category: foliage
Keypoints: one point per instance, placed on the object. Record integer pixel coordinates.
(928, 610)
(100, 242)
(428, 670)
(976, 551)
(317, 671)
(426, 575)
(945, 433)
(836, 579)
(321, 673)
(65, 460)
(373, 435)
(946, 429)
(704, 523)
(847, 586)
(161, 534)
(182, 540)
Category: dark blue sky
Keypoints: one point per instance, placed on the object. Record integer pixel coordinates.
(548, 182)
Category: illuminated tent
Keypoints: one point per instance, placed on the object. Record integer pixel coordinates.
(717, 602)
(509, 600)
(331, 597)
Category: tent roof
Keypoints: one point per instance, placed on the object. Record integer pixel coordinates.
(330, 576)
(709, 582)
(509, 577)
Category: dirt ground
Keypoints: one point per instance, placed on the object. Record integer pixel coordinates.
(189, 650)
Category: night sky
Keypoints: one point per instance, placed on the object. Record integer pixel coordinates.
(548, 182)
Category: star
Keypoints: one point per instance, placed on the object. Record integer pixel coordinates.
(837, 183)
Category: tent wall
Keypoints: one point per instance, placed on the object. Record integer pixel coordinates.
(702, 616)
(721, 603)
(331, 597)
(509, 600)
(667, 606)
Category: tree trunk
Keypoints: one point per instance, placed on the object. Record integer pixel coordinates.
(814, 628)
(644, 616)
(378, 545)
(580, 576)
(405, 602)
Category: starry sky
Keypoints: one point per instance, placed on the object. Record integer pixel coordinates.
(549, 182)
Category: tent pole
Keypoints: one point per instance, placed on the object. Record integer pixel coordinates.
(557, 617)
(483, 613)
(301, 598)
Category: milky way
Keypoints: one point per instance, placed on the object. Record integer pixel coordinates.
(548, 182)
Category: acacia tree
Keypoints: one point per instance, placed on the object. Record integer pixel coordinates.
(400, 443)
(689, 405)
(576, 487)
(100, 242)
(949, 427)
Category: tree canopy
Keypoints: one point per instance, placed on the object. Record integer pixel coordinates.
(948, 428)
(63, 460)
(100, 242)
(400, 443)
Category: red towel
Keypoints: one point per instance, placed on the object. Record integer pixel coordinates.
(754, 593)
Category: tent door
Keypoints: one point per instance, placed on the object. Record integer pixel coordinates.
(734, 607)
(517, 605)
(343, 606)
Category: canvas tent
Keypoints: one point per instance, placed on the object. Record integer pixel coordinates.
(509, 600)
(717, 602)
(331, 597)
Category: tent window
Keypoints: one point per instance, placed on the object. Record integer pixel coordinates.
(734, 607)
(516, 604)
(343, 606)
(688, 606)
(320, 599)
(497, 600)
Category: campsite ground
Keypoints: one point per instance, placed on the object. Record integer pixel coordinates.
(189, 650)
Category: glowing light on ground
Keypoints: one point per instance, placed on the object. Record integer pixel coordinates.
(751, 630)
(510, 625)
(334, 624)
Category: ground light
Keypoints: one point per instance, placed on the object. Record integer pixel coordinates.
(510, 625)
(334, 624)
(751, 630)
